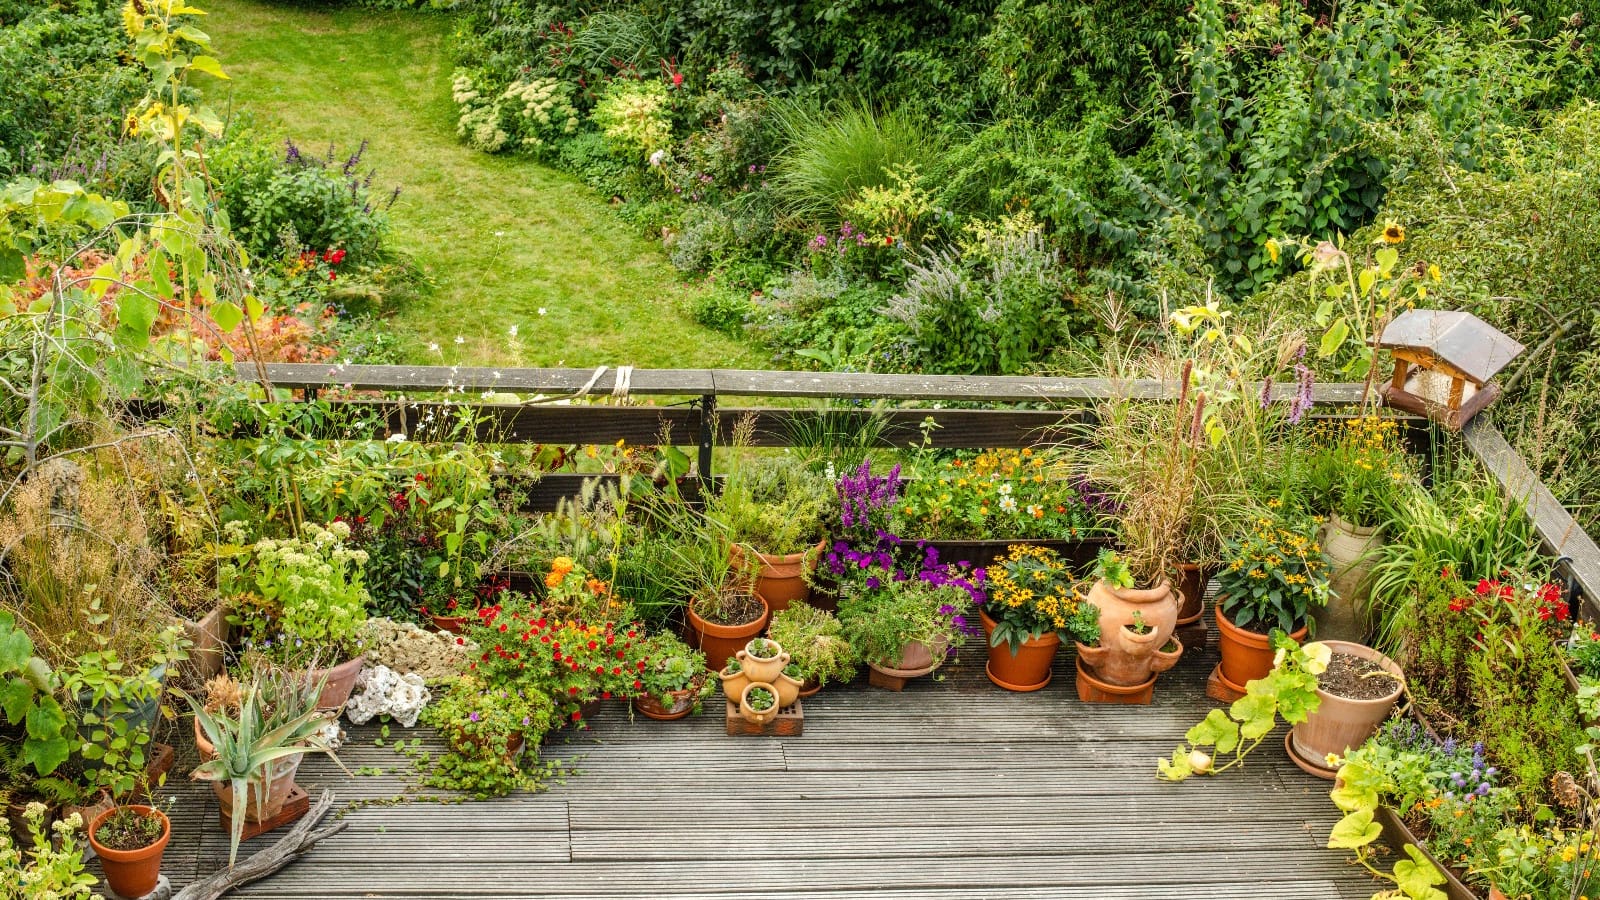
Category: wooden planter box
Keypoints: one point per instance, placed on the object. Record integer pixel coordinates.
(1396, 834)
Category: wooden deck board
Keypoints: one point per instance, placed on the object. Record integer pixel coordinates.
(951, 789)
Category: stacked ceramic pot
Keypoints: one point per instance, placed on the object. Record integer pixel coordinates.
(1136, 643)
(756, 680)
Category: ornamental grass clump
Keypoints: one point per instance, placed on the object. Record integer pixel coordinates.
(1031, 593)
(1273, 577)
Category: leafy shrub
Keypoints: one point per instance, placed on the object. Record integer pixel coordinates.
(830, 156)
(723, 310)
(529, 115)
(633, 116)
(291, 199)
(831, 316)
(990, 307)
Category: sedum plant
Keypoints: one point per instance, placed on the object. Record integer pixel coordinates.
(302, 593)
(816, 643)
(1289, 690)
(53, 867)
(277, 718)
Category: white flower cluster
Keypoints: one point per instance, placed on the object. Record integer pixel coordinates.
(545, 105)
(433, 656)
(385, 692)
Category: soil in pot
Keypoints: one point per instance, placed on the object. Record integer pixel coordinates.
(131, 871)
(743, 617)
(1354, 678)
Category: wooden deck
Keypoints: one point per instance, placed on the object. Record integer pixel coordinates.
(951, 789)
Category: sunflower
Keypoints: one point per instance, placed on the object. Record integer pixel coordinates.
(1393, 232)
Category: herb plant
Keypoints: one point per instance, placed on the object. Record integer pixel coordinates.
(1032, 593)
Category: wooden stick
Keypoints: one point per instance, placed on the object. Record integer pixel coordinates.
(288, 848)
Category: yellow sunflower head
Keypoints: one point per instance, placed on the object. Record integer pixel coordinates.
(1393, 232)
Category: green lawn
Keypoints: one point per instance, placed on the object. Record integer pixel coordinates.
(501, 238)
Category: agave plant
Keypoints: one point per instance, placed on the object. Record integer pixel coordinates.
(277, 717)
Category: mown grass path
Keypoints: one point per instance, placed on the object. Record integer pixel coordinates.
(501, 238)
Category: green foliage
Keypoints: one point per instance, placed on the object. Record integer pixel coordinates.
(38, 726)
(815, 640)
(829, 156)
(775, 505)
(493, 730)
(1358, 469)
(529, 116)
(298, 598)
(1032, 593)
(994, 494)
(633, 116)
(1289, 690)
(671, 666)
(1273, 577)
(880, 623)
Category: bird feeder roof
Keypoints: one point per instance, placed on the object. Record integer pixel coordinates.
(1460, 340)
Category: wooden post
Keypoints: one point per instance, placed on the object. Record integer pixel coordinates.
(1400, 369)
(1457, 387)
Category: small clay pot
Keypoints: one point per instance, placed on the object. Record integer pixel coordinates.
(341, 681)
(788, 689)
(131, 873)
(648, 706)
(751, 714)
(810, 689)
(733, 685)
(765, 671)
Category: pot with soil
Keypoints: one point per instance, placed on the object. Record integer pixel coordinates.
(130, 841)
(763, 660)
(1358, 691)
(759, 703)
(338, 682)
(1247, 654)
(721, 627)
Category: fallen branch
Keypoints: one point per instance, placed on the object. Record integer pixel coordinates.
(288, 848)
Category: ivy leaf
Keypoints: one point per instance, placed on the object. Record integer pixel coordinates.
(1354, 831)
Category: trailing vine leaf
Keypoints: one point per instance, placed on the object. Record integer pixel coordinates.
(1354, 831)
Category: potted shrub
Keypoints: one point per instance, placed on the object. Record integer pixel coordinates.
(301, 601)
(723, 612)
(905, 629)
(759, 703)
(775, 510)
(674, 677)
(816, 644)
(1358, 690)
(972, 506)
(1355, 472)
(1271, 580)
(130, 841)
(255, 747)
(1033, 604)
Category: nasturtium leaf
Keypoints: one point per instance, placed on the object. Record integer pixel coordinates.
(1333, 338)
(1354, 831)
(12, 265)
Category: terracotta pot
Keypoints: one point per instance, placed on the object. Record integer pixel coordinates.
(131, 873)
(788, 689)
(209, 634)
(263, 798)
(1351, 550)
(1093, 690)
(751, 714)
(513, 747)
(1246, 655)
(1340, 723)
(765, 671)
(1026, 670)
(720, 642)
(810, 689)
(452, 624)
(916, 660)
(1123, 656)
(648, 706)
(341, 680)
(1192, 581)
(1497, 894)
(733, 685)
(780, 579)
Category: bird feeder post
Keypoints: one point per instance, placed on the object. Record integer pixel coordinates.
(1443, 363)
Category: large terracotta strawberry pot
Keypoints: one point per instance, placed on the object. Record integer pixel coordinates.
(131, 873)
(1246, 655)
(1026, 670)
(780, 578)
(1341, 723)
(788, 688)
(1351, 551)
(720, 642)
(1124, 656)
(341, 681)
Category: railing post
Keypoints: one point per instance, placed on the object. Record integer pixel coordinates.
(708, 416)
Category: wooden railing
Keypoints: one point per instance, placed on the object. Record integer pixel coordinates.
(688, 403)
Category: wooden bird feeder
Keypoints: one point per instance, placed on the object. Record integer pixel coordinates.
(1443, 361)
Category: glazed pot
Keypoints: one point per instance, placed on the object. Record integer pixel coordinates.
(788, 688)
(1246, 655)
(1123, 656)
(733, 685)
(780, 578)
(751, 714)
(1351, 550)
(720, 642)
(264, 796)
(341, 681)
(1341, 723)
(209, 635)
(681, 705)
(1026, 670)
(765, 671)
(131, 873)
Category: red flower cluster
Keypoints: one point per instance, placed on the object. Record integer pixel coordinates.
(582, 661)
(1551, 606)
